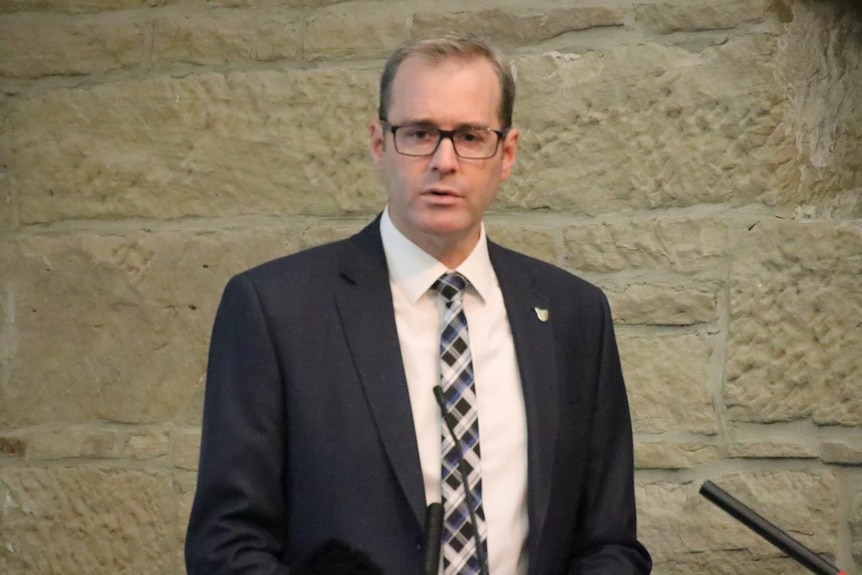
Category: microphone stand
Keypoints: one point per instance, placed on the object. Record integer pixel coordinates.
(468, 493)
(433, 532)
(796, 550)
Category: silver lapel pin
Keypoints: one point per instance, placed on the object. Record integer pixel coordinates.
(542, 314)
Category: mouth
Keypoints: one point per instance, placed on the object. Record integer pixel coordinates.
(440, 193)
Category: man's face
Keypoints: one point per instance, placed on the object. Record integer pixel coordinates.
(438, 201)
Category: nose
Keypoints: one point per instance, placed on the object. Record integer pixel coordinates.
(445, 160)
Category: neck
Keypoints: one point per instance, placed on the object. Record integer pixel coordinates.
(450, 251)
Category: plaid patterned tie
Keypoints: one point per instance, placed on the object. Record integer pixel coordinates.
(456, 380)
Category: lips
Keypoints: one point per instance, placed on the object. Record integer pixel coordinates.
(441, 193)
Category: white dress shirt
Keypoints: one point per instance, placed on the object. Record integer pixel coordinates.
(502, 420)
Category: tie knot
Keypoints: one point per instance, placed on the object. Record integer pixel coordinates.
(451, 286)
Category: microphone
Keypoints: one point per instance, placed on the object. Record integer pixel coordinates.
(468, 493)
(796, 550)
(335, 557)
(433, 532)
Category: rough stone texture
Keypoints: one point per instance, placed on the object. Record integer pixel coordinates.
(667, 379)
(90, 289)
(671, 304)
(676, 244)
(678, 455)
(820, 60)
(186, 446)
(33, 45)
(651, 126)
(207, 37)
(700, 161)
(505, 27)
(841, 453)
(85, 443)
(689, 535)
(84, 520)
(539, 241)
(146, 445)
(796, 306)
(771, 450)
(76, 6)
(356, 29)
(268, 142)
(667, 17)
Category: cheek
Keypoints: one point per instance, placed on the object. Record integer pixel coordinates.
(401, 181)
(489, 186)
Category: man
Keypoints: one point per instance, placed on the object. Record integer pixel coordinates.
(320, 419)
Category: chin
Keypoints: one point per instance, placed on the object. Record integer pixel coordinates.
(447, 228)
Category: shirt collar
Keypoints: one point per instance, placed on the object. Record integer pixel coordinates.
(414, 271)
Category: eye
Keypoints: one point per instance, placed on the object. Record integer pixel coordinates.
(418, 133)
(472, 137)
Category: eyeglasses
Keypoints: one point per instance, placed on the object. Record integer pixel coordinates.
(421, 140)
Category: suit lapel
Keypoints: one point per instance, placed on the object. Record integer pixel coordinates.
(532, 332)
(365, 307)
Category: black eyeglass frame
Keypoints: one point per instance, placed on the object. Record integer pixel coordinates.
(450, 135)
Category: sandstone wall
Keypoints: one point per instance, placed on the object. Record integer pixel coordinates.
(700, 160)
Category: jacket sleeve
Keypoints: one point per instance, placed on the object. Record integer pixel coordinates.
(606, 537)
(237, 520)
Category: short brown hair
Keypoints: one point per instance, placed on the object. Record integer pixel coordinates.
(447, 47)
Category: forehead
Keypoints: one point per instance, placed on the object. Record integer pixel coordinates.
(453, 90)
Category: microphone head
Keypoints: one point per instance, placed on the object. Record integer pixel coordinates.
(335, 557)
(438, 395)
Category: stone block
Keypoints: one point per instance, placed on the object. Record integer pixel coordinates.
(116, 327)
(274, 3)
(795, 317)
(141, 445)
(186, 481)
(186, 449)
(841, 453)
(97, 521)
(820, 57)
(771, 450)
(76, 6)
(647, 126)
(666, 17)
(263, 142)
(536, 240)
(315, 233)
(44, 44)
(72, 443)
(210, 37)
(355, 30)
(673, 305)
(674, 455)
(677, 244)
(687, 534)
(667, 378)
(505, 26)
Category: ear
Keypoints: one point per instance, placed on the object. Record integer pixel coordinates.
(378, 142)
(510, 151)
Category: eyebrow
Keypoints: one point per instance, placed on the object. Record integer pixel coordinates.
(430, 124)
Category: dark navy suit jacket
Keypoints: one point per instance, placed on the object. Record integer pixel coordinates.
(308, 433)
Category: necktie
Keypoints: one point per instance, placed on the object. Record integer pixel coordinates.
(456, 380)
